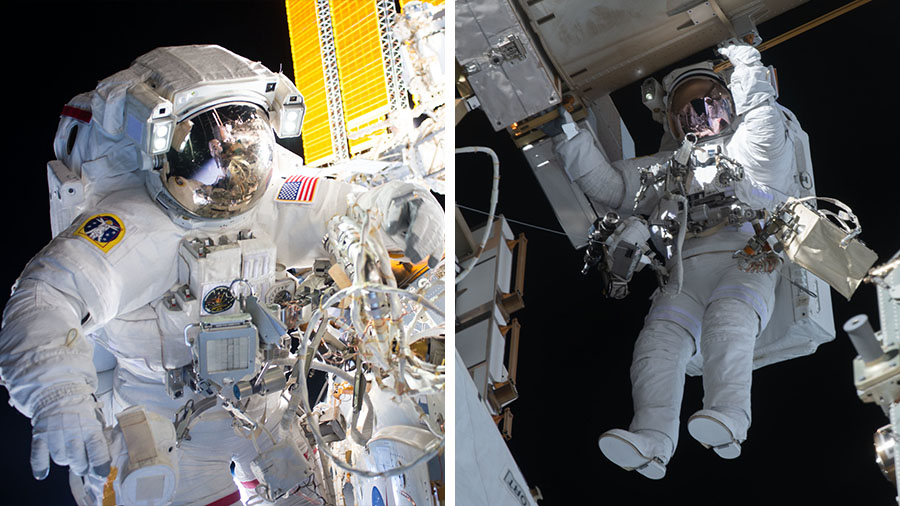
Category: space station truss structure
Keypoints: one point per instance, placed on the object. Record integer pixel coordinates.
(390, 54)
(364, 68)
(876, 368)
(371, 74)
(487, 350)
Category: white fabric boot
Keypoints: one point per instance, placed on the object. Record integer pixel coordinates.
(714, 430)
(646, 452)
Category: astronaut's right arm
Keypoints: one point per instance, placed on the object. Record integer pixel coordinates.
(45, 359)
(43, 353)
(589, 168)
(761, 142)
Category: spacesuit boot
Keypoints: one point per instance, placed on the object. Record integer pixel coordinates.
(645, 451)
(715, 430)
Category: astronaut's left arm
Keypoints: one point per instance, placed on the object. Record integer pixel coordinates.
(410, 218)
(761, 142)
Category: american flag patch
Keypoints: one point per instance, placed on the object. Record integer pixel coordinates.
(298, 189)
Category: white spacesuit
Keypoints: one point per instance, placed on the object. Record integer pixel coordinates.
(710, 306)
(142, 273)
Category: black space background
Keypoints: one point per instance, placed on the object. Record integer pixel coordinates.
(811, 439)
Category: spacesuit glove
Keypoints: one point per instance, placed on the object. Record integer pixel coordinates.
(70, 431)
(741, 55)
(414, 216)
(749, 84)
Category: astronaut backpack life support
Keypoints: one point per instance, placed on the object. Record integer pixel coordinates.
(78, 178)
(802, 318)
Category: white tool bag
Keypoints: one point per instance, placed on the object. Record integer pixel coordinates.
(825, 244)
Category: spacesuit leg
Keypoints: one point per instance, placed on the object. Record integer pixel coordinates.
(739, 308)
(730, 328)
(661, 354)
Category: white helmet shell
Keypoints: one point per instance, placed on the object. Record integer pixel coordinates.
(205, 117)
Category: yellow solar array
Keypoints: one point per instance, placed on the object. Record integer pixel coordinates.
(361, 74)
(360, 66)
(432, 2)
(310, 79)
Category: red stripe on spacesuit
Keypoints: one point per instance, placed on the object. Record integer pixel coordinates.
(310, 189)
(79, 114)
(233, 498)
(250, 484)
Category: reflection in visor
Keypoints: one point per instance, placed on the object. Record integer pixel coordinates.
(700, 105)
(705, 116)
(224, 163)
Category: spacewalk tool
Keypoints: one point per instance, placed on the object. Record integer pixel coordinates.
(821, 241)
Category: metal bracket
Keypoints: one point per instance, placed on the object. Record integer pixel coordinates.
(198, 247)
(508, 49)
(471, 67)
(187, 414)
(177, 379)
(171, 301)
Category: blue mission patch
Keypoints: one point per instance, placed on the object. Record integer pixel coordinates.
(102, 230)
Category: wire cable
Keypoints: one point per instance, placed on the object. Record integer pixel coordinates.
(493, 206)
(524, 224)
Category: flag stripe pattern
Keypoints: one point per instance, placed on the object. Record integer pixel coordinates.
(298, 189)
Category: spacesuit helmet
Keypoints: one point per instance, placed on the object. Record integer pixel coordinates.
(220, 161)
(698, 101)
(204, 120)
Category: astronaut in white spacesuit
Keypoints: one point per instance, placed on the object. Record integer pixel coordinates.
(137, 271)
(711, 307)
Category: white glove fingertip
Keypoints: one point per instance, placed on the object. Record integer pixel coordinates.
(102, 470)
(40, 458)
(76, 457)
(98, 454)
(412, 249)
(420, 238)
